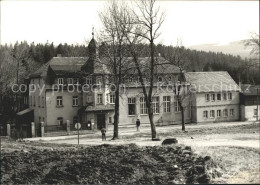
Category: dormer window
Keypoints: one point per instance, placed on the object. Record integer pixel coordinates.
(70, 81)
(169, 78)
(76, 81)
(60, 81)
(89, 80)
(99, 80)
(130, 79)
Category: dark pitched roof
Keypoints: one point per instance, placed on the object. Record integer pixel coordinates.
(250, 90)
(216, 81)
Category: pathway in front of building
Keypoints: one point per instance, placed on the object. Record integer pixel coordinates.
(242, 140)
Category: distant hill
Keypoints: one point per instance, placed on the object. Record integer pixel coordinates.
(234, 48)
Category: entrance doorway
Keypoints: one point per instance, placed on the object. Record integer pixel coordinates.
(101, 121)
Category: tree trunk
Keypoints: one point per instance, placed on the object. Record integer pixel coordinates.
(182, 118)
(153, 129)
(116, 116)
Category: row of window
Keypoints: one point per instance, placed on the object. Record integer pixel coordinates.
(41, 101)
(218, 96)
(220, 113)
(89, 80)
(60, 120)
(155, 105)
(75, 101)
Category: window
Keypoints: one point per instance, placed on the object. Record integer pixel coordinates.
(70, 81)
(99, 80)
(229, 96)
(99, 99)
(89, 80)
(225, 113)
(34, 101)
(75, 119)
(40, 120)
(166, 104)
(218, 113)
(59, 101)
(177, 106)
(212, 114)
(112, 98)
(225, 96)
(207, 97)
(218, 96)
(169, 78)
(76, 81)
(205, 114)
(160, 79)
(33, 86)
(75, 101)
(43, 101)
(155, 104)
(255, 112)
(143, 108)
(30, 98)
(43, 120)
(60, 121)
(60, 81)
(110, 119)
(131, 106)
(231, 112)
(212, 97)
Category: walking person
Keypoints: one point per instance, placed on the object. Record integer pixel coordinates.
(138, 125)
(103, 132)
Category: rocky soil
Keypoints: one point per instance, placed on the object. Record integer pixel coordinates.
(38, 163)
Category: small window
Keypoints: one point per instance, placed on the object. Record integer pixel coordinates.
(218, 96)
(43, 120)
(160, 79)
(143, 108)
(112, 98)
(131, 106)
(207, 97)
(225, 113)
(110, 119)
(177, 107)
(212, 97)
(212, 114)
(229, 96)
(155, 104)
(89, 80)
(99, 80)
(218, 113)
(75, 101)
(60, 81)
(99, 98)
(40, 120)
(166, 104)
(224, 96)
(169, 78)
(59, 101)
(231, 112)
(60, 121)
(70, 81)
(205, 114)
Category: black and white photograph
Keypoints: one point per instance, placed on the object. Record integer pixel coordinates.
(129, 92)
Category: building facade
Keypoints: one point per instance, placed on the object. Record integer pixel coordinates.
(215, 97)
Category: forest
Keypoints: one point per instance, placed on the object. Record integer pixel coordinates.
(21, 59)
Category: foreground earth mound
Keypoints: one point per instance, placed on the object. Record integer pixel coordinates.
(106, 164)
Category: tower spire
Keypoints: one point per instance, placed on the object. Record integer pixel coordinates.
(93, 32)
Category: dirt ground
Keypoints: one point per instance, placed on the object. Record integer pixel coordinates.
(233, 147)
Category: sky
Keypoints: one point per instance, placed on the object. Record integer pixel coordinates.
(194, 22)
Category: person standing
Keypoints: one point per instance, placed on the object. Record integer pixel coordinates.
(103, 132)
(138, 125)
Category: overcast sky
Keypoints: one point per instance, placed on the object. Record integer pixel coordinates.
(71, 21)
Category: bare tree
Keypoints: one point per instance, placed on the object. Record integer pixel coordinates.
(143, 24)
(113, 41)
